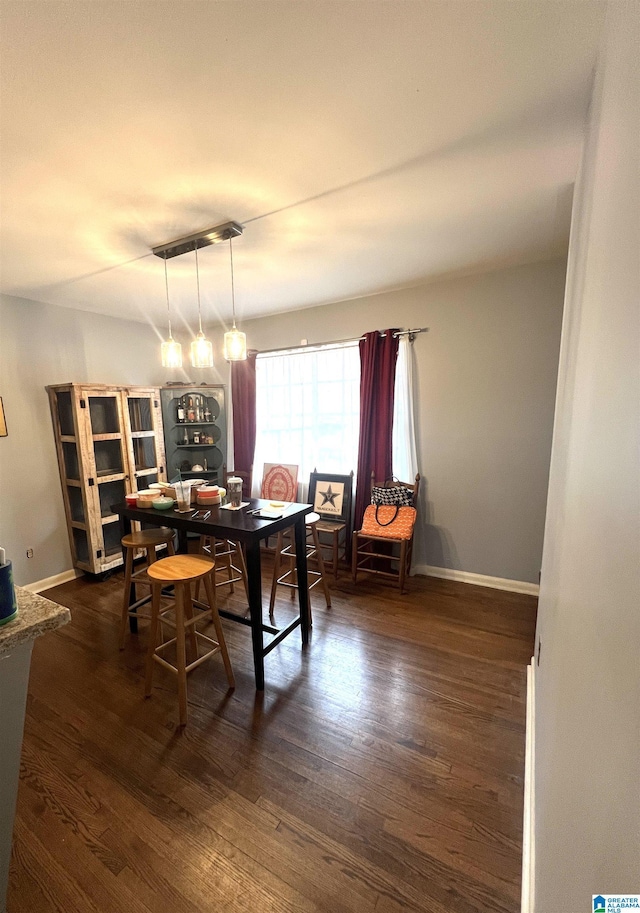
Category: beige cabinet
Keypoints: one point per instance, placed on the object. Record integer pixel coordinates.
(109, 442)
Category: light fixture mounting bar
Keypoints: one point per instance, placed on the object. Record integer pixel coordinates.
(200, 239)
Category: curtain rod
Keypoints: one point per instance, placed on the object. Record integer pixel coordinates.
(340, 342)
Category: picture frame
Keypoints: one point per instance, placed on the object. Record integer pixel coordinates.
(331, 496)
(3, 421)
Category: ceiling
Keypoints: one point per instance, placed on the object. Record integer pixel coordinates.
(363, 145)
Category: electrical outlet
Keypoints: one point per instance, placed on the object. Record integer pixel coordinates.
(29, 553)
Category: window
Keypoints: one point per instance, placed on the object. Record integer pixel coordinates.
(308, 409)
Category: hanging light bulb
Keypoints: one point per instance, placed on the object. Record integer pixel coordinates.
(201, 348)
(171, 350)
(235, 342)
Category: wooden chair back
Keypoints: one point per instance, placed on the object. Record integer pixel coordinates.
(413, 487)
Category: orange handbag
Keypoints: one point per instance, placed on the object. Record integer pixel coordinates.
(379, 520)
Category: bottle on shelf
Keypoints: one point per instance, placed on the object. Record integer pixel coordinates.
(198, 410)
(191, 412)
(181, 412)
(185, 439)
(207, 414)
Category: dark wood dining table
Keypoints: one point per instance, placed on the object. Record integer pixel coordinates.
(245, 527)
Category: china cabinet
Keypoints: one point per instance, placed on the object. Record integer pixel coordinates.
(109, 442)
(195, 431)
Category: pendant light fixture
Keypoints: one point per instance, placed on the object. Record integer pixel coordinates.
(235, 342)
(171, 350)
(201, 348)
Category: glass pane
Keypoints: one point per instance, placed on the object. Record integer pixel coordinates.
(76, 507)
(108, 457)
(81, 545)
(144, 451)
(111, 493)
(111, 534)
(65, 413)
(70, 454)
(104, 414)
(140, 413)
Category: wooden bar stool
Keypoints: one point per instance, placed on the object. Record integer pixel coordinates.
(227, 556)
(289, 578)
(181, 570)
(146, 540)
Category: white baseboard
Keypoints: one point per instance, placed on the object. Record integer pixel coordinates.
(39, 585)
(496, 583)
(528, 821)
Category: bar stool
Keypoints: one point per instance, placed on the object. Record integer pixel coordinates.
(180, 571)
(146, 540)
(289, 578)
(224, 552)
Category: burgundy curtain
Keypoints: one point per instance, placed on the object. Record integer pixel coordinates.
(243, 397)
(378, 355)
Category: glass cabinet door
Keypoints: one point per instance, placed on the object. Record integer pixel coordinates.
(143, 419)
(107, 466)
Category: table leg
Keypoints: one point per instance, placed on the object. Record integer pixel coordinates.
(125, 529)
(183, 546)
(301, 569)
(254, 582)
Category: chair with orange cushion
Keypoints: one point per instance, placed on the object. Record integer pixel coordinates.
(380, 550)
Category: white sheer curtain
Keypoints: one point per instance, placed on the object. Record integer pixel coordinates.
(405, 460)
(308, 410)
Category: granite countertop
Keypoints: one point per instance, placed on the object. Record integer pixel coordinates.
(36, 616)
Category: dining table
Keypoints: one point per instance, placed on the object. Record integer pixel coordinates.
(245, 526)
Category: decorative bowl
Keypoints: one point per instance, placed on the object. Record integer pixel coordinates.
(163, 503)
(147, 496)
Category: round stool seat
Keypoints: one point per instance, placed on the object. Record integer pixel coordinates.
(178, 568)
(311, 518)
(148, 537)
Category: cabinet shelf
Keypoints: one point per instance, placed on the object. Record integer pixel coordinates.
(179, 455)
(193, 424)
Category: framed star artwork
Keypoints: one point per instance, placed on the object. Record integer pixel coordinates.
(331, 495)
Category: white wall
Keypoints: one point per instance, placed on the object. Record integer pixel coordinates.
(587, 739)
(486, 377)
(39, 345)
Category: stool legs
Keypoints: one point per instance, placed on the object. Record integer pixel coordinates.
(313, 551)
(181, 652)
(153, 638)
(320, 560)
(185, 618)
(211, 596)
(130, 577)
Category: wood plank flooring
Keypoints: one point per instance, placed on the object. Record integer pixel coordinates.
(381, 770)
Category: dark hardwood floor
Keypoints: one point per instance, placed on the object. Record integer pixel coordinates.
(381, 770)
